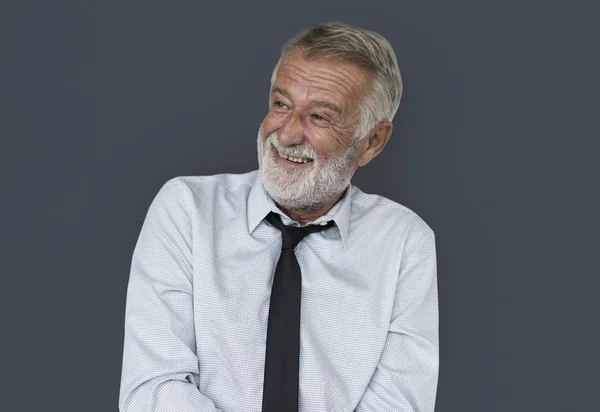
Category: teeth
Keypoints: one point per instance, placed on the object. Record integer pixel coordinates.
(295, 159)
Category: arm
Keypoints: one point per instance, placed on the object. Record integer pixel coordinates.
(160, 367)
(406, 377)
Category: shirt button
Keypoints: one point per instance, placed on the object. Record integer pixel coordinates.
(323, 223)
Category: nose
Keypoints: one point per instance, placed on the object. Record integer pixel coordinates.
(291, 131)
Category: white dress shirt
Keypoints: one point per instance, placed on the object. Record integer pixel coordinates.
(199, 293)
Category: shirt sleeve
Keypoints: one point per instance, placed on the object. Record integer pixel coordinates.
(160, 366)
(407, 374)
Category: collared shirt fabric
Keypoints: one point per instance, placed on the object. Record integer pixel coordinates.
(199, 291)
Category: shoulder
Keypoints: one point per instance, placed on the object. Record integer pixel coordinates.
(204, 188)
(381, 211)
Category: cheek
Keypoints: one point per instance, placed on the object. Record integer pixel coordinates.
(272, 122)
(327, 144)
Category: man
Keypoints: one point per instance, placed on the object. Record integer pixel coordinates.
(288, 288)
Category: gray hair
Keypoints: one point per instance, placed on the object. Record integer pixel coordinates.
(366, 49)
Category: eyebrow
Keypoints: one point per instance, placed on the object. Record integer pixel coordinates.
(320, 103)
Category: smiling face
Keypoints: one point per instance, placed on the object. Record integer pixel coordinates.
(313, 114)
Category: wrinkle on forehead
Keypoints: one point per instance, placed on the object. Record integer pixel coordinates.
(320, 77)
(342, 81)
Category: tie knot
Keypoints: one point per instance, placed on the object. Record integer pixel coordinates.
(292, 235)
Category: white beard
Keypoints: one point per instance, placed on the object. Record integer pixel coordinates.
(309, 188)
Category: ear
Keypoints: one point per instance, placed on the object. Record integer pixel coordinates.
(374, 143)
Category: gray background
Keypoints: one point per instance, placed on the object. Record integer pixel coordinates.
(495, 146)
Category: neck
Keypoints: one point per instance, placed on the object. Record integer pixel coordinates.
(304, 216)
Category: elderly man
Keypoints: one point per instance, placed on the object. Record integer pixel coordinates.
(288, 288)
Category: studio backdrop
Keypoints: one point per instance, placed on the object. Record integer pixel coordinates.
(494, 145)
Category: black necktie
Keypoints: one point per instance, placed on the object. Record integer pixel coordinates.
(280, 389)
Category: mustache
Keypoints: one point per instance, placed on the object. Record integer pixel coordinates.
(295, 151)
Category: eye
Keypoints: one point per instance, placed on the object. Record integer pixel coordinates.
(318, 117)
(279, 103)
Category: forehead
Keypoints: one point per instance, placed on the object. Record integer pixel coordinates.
(305, 79)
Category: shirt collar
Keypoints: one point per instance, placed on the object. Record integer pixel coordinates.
(260, 204)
